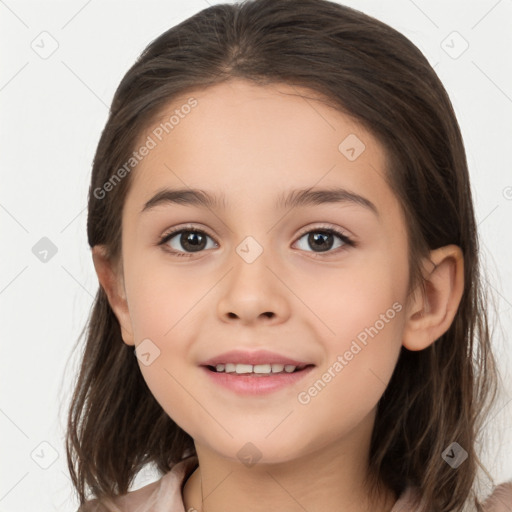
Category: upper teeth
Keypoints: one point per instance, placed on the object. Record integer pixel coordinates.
(257, 368)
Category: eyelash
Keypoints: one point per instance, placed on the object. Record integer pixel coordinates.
(327, 229)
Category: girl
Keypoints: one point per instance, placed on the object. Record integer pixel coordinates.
(290, 314)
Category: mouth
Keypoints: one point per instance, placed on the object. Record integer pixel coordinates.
(256, 380)
(257, 370)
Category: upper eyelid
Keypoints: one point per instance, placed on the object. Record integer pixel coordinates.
(190, 227)
(176, 231)
(326, 226)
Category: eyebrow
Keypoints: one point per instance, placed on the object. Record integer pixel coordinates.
(293, 199)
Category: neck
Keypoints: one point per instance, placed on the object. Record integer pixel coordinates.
(328, 479)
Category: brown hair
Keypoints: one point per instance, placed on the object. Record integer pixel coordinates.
(371, 72)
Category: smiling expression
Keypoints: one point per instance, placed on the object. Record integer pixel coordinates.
(299, 247)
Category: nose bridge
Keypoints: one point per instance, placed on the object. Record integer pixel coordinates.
(251, 275)
(252, 290)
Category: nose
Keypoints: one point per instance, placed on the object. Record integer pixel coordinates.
(252, 293)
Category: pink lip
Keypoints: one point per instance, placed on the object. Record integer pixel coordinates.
(254, 384)
(255, 357)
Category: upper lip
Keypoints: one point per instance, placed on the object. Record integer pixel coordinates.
(255, 357)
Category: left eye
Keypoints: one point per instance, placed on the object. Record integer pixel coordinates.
(323, 239)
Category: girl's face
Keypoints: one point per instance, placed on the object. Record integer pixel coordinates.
(263, 274)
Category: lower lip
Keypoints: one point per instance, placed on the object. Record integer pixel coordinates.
(256, 385)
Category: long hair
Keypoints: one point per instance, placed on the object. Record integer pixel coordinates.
(366, 70)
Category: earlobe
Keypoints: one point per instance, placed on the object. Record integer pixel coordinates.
(111, 281)
(430, 314)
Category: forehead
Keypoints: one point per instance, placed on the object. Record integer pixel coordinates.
(248, 141)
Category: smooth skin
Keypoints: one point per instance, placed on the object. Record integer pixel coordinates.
(254, 143)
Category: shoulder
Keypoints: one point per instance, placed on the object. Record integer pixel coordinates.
(500, 500)
(126, 503)
(164, 492)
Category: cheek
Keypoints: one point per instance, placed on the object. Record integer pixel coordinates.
(162, 300)
(167, 370)
(347, 302)
(358, 367)
(362, 320)
(163, 315)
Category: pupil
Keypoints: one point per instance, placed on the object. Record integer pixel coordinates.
(319, 239)
(193, 239)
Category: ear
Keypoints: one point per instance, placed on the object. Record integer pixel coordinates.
(430, 314)
(111, 280)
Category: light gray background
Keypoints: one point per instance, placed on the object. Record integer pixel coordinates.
(52, 112)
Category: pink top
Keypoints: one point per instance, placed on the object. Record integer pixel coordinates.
(165, 495)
